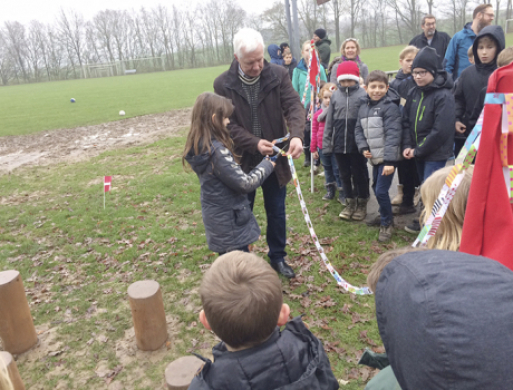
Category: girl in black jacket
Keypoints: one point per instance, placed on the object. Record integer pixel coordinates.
(227, 216)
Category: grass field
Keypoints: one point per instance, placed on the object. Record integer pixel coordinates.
(31, 108)
(77, 261)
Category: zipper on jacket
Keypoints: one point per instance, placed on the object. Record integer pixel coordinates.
(422, 113)
(347, 113)
(417, 118)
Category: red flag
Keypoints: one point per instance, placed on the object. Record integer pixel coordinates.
(314, 65)
(106, 183)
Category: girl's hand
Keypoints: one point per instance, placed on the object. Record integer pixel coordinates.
(388, 170)
(315, 155)
(367, 154)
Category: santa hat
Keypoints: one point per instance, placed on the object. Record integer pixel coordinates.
(348, 70)
(488, 225)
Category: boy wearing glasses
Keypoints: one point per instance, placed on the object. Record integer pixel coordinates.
(428, 118)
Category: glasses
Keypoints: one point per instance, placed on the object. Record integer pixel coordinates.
(430, 24)
(489, 14)
(419, 73)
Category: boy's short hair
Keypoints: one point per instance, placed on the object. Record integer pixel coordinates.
(408, 50)
(505, 57)
(242, 299)
(486, 39)
(287, 53)
(385, 259)
(377, 76)
(470, 52)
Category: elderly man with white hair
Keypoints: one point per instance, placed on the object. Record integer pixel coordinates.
(266, 108)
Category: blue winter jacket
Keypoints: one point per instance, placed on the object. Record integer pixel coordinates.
(456, 56)
(273, 53)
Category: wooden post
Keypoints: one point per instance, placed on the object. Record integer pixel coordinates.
(16, 325)
(148, 314)
(12, 371)
(179, 374)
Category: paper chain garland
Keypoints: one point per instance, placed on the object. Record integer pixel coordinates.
(340, 281)
(463, 161)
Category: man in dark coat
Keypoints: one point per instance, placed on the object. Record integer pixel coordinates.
(266, 108)
(322, 43)
(430, 36)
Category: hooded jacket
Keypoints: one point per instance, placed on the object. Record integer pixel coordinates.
(475, 78)
(299, 80)
(324, 49)
(402, 83)
(445, 321)
(341, 120)
(439, 42)
(279, 111)
(227, 216)
(456, 56)
(292, 359)
(379, 130)
(273, 53)
(428, 119)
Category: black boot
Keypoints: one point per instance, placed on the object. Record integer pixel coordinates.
(330, 194)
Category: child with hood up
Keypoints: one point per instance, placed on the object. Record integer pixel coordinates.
(275, 54)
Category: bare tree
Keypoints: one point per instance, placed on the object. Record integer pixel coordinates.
(72, 29)
(17, 45)
(409, 11)
(337, 7)
(165, 24)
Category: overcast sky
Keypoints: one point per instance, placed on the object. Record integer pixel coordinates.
(46, 10)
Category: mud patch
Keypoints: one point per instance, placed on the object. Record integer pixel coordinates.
(80, 143)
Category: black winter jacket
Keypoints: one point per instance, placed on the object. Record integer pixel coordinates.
(474, 78)
(292, 359)
(341, 119)
(445, 321)
(379, 129)
(402, 84)
(440, 43)
(290, 67)
(428, 119)
(227, 216)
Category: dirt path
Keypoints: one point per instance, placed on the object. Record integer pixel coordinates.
(71, 145)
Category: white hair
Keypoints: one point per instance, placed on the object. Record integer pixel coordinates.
(247, 39)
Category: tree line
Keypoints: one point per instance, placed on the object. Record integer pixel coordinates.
(177, 38)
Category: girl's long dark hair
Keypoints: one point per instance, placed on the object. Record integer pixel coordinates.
(204, 128)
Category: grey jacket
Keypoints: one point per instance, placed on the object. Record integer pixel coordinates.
(341, 120)
(445, 320)
(379, 129)
(227, 216)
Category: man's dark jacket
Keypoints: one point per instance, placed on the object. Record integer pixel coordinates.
(279, 110)
(440, 43)
(292, 359)
(428, 119)
(474, 78)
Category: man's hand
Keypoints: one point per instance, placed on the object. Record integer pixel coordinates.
(295, 148)
(460, 127)
(367, 154)
(265, 147)
(388, 170)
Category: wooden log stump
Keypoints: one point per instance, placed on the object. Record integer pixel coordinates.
(12, 371)
(16, 325)
(148, 314)
(179, 373)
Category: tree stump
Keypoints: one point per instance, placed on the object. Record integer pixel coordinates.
(16, 325)
(179, 373)
(148, 314)
(12, 370)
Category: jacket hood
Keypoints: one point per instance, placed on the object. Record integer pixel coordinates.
(401, 75)
(198, 163)
(273, 52)
(445, 320)
(467, 29)
(323, 40)
(302, 65)
(497, 34)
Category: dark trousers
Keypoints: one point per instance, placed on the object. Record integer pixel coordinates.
(458, 144)
(381, 184)
(353, 165)
(409, 178)
(243, 249)
(426, 168)
(274, 203)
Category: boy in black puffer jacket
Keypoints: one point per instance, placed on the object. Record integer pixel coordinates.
(242, 303)
(486, 48)
(378, 136)
(428, 118)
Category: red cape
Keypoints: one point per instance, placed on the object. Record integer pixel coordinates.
(488, 226)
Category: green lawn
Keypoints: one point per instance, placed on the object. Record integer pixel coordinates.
(77, 261)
